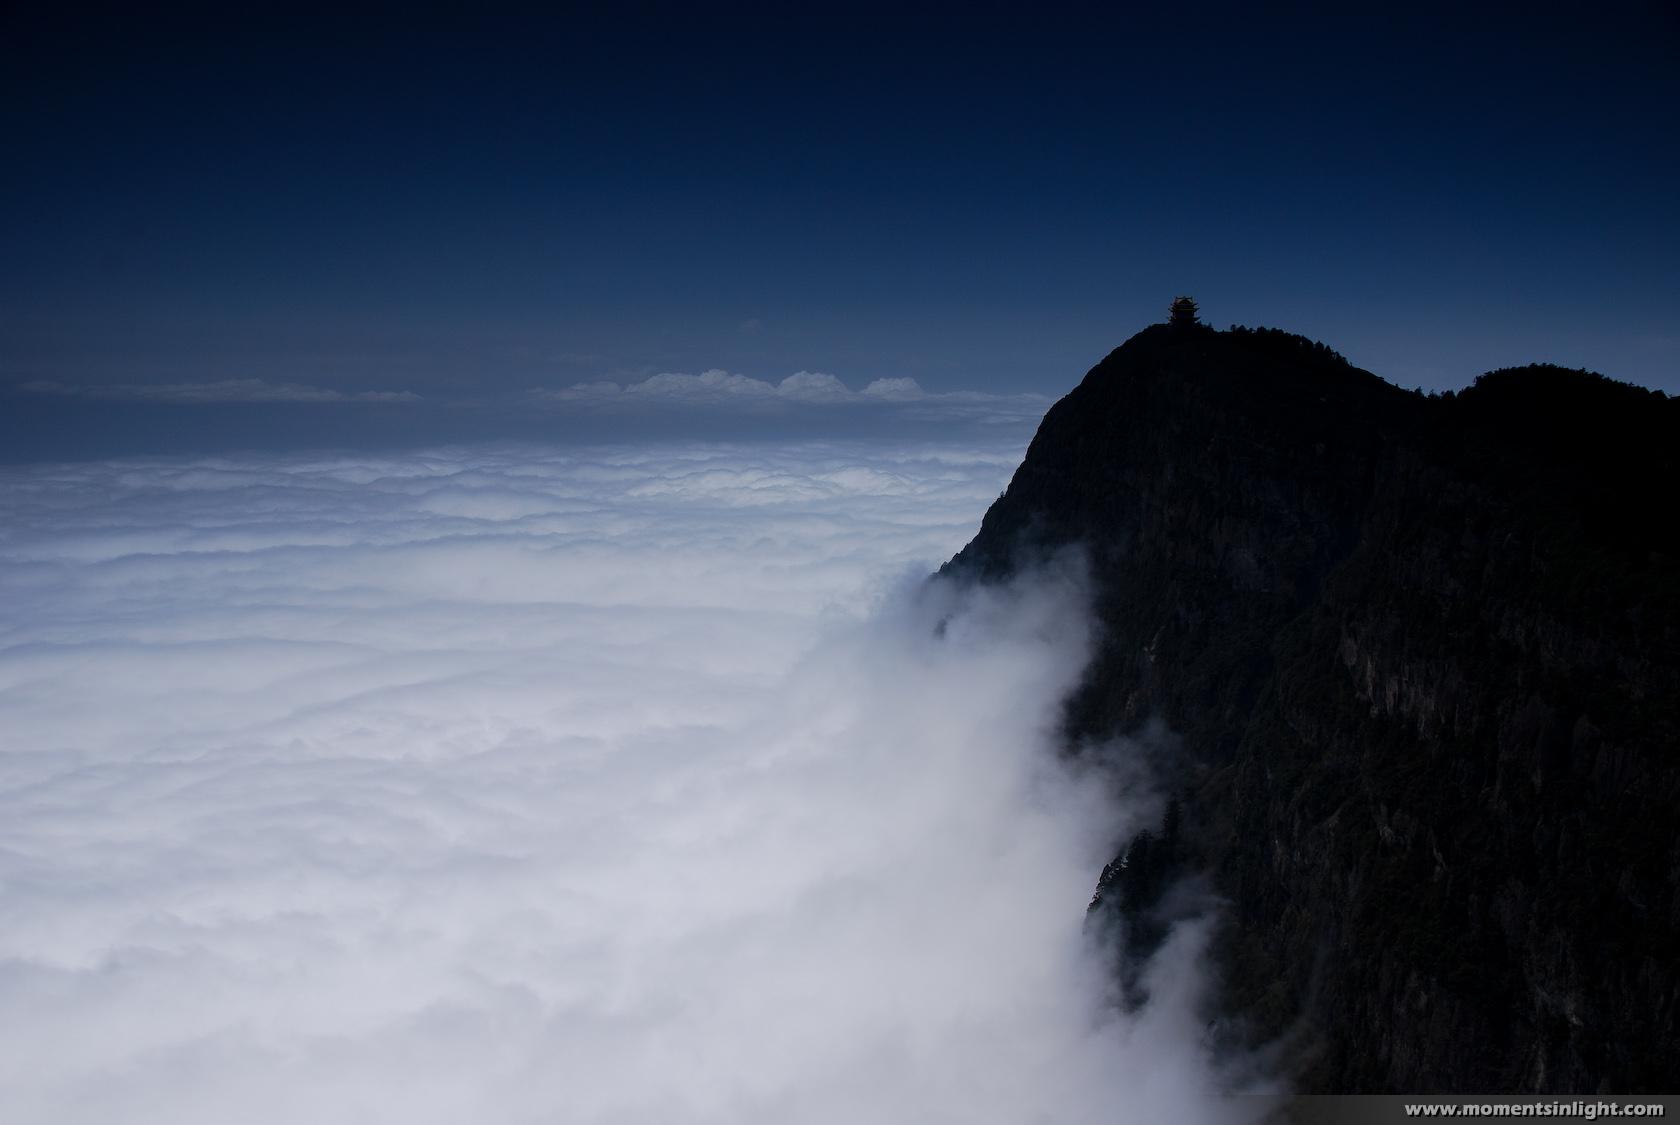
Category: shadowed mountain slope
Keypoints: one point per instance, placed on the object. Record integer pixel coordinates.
(1421, 657)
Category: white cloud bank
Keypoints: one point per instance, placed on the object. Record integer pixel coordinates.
(522, 786)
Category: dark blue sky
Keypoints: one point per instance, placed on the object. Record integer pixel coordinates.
(479, 200)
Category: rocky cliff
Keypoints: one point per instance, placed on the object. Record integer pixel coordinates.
(1420, 656)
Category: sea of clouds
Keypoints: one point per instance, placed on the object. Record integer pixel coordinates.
(517, 784)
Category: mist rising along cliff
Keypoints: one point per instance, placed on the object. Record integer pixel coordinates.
(1420, 654)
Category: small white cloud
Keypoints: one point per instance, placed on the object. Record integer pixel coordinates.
(813, 386)
(895, 390)
(707, 384)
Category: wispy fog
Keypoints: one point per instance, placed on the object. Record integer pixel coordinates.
(514, 785)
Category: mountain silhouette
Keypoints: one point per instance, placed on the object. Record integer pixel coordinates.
(1419, 656)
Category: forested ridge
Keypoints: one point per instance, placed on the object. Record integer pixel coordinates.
(1418, 656)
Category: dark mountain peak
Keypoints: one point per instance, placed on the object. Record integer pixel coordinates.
(1419, 652)
(1580, 415)
(1261, 370)
(1547, 381)
(1180, 406)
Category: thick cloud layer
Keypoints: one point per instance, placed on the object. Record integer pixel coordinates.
(516, 785)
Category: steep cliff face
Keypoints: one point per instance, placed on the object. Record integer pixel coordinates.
(1421, 654)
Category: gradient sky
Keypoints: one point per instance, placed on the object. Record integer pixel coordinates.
(473, 202)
